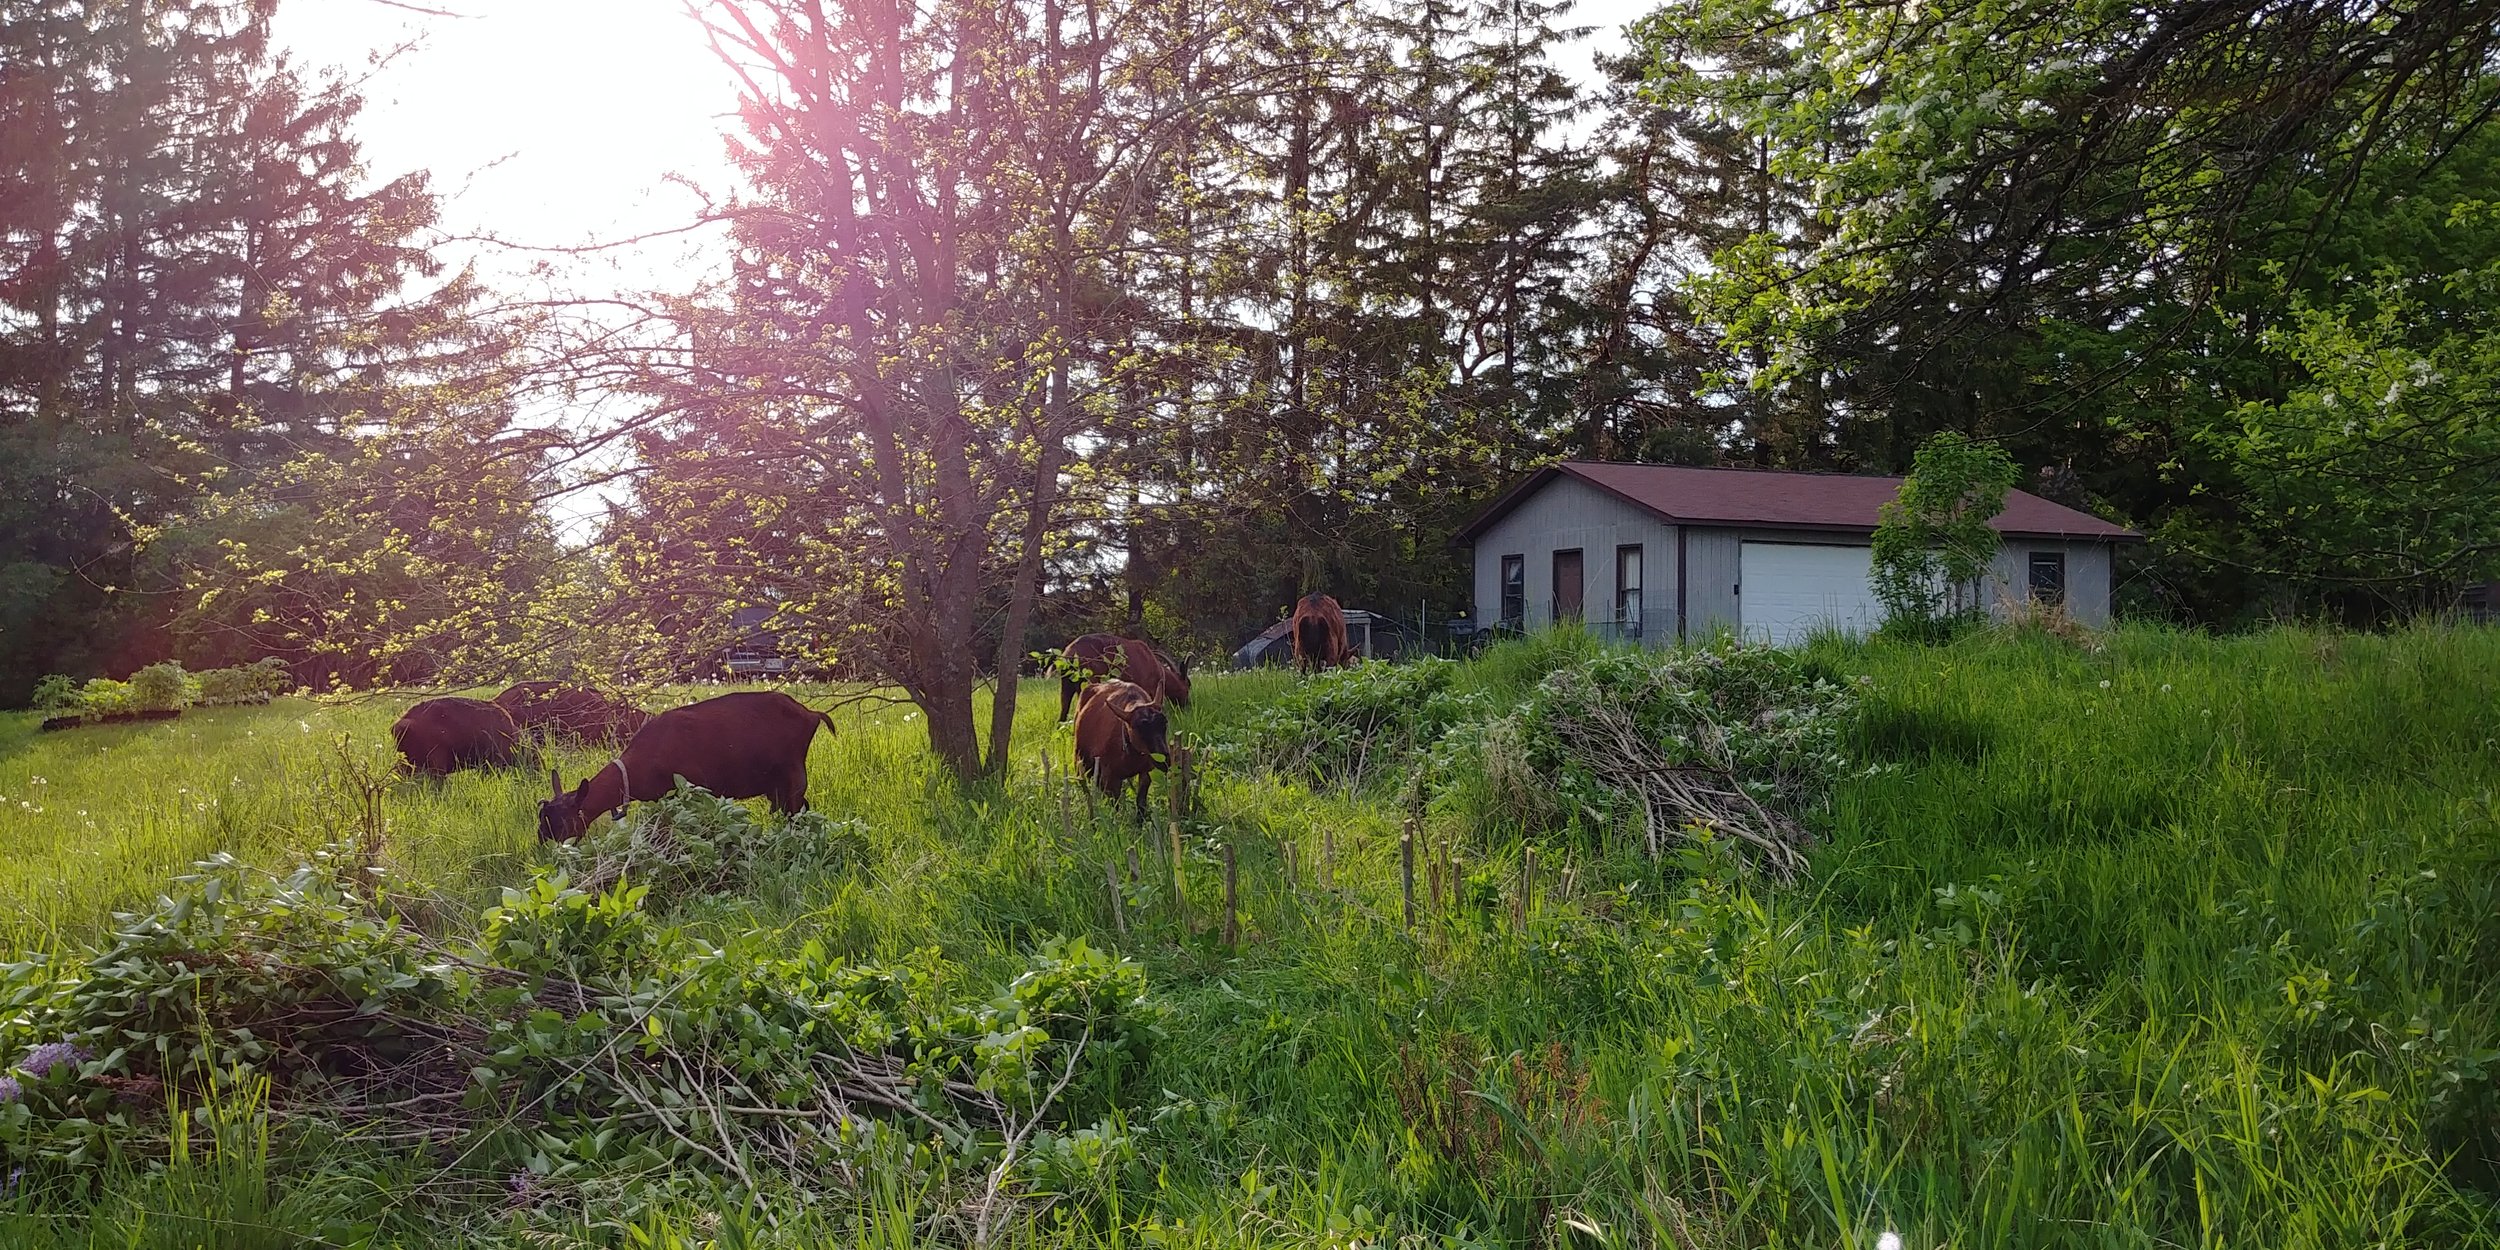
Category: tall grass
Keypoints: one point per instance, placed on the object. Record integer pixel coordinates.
(2176, 941)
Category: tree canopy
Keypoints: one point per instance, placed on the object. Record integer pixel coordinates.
(1152, 315)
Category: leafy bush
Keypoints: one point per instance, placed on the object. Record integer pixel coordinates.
(1351, 726)
(102, 696)
(1739, 739)
(160, 688)
(56, 694)
(257, 682)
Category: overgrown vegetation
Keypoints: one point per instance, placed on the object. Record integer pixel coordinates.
(2164, 940)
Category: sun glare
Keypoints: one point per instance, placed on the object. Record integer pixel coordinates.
(544, 122)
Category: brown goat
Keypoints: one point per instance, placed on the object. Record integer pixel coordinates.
(1098, 656)
(1319, 634)
(549, 711)
(442, 736)
(752, 744)
(1120, 732)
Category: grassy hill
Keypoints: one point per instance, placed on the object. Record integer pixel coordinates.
(2164, 940)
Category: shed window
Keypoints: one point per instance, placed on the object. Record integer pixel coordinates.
(1514, 589)
(1628, 588)
(2048, 578)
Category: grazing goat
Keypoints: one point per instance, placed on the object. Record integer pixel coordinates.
(1120, 733)
(1319, 634)
(738, 746)
(1098, 656)
(442, 736)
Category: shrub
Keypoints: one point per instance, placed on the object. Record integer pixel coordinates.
(1351, 726)
(160, 688)
(257, 682)
(102, 696)
(56, 694)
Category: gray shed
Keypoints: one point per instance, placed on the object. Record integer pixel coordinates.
(1660, 553)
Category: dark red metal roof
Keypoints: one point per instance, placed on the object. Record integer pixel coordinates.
(1765, 499)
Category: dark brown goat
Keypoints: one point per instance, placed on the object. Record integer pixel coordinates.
(548, 711)
(1120, 732)
(1099, 656)
(442, 736)
(739, 746)
(1319, 633)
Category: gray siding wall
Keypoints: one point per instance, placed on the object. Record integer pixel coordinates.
(1712, 562)
(2087, 577)
(1710, 570)
(1563, 515)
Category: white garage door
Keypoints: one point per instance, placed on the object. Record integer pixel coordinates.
(1786, 591)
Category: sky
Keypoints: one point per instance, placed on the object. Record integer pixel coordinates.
(555, 123)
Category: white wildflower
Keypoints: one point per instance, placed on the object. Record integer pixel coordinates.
(2104, 683)
(1889, 1241)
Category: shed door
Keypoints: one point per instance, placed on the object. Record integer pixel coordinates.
(1569, 598)
(1786, 591)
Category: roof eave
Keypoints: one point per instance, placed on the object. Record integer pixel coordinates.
(1510, 500)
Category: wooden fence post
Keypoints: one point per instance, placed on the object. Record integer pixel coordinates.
(1527, 886)
(1067, 826)
(1293, 878)
(1132, 865)
(1179, 777)
(1406, 869)
(1232, 898)
(1111, 878)
(1180, 883)
(1189, 779)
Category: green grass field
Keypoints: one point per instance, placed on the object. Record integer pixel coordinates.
(2174, 942)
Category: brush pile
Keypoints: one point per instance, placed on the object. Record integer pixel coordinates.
(576, 1034)
(694, 844)
(1737, 740)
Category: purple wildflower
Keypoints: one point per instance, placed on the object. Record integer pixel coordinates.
(524, 1187)
(10, 1089)
(40, 1061)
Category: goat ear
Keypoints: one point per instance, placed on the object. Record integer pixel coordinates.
(555, 783)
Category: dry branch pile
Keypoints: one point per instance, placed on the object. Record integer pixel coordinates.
(577, 1032)
(1738, 740)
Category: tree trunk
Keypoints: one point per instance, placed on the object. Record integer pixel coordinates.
(1028, 582)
